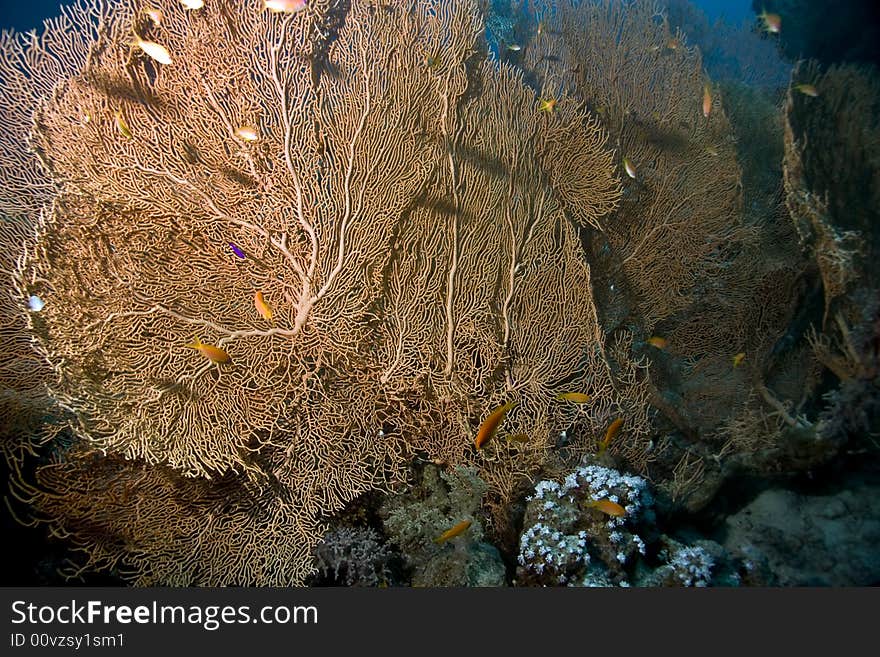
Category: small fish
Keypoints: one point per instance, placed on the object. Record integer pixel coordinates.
(630, 169)
(460, 528)
(262, 307)
(154, 50)
(613, 430)
(515, 47)
(518, 438)
(540, 28)
(237, 251)
(490, 425)
(122, 126)
(607, 506)
(738, 359)
(673, 44)
(707, 100)
(576, 397)
(772, 22)
(155, 15)
(657, 341)
(547, 105)
(285, 6)
(35, 303)
(192, 4)
(807, 90)
(247, 133)
(209, 351)
(432, 61)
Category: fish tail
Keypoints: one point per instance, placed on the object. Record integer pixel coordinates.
(195, 345)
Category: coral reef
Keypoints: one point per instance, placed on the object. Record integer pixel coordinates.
(242, 294)
(354, 556)
(416, 520)
(413, 274)
(568, 541)
(570, 538)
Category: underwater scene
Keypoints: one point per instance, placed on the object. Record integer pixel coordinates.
(440, 293)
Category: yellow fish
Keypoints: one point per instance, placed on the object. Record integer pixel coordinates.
(209, 351)
(807, 90)
(460, 528)
(738, 359)
(657, 341)
(262, 307)
(576, 397)
(707, 100)
(547, 105)
(612, 431)
(607, 506)
(490, 424)
(122, 126)
(518, 438)
(515, 47)
(630, 169)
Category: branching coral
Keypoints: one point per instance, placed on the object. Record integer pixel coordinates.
(377, 184)
(568, 540)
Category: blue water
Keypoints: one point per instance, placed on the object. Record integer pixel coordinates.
(732, 11)
(24, 16)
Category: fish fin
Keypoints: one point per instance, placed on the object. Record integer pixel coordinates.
(197, 344)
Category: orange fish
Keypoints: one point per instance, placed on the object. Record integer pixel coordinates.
(262, 307)
(460, 528)
(576, 397)
(212, 353)
(772, 22)
(707, 100)
(607, 506)
(657, 341)
(738, 359)
(490, 424)
(612, 431)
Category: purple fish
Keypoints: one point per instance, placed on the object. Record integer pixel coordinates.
(236, 250)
